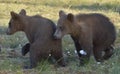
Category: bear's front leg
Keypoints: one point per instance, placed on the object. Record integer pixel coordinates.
(85, 56)
(77, 45)
(81, 52)
(33, 61)
(86, 49)
(34, 56)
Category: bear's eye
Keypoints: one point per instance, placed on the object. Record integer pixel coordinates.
(61, 28)
(9, 24)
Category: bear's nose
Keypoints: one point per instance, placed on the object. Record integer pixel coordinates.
(57, 34)
(55, 37)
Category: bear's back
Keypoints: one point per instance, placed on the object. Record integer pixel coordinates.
(96, 21)
(40, 24)
(39, 28)
(93, 17)
(102, 28)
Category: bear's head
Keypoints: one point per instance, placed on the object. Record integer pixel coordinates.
(64, 24)
(15, 23)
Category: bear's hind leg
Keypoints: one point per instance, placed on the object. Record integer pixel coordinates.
(33, 62)
(35, 55)
(108, 52)
(98, 53)
(58, 55)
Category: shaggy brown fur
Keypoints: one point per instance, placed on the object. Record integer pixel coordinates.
(39, 31)
(90, 32)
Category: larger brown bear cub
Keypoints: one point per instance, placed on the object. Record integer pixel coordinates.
(39, 31)
(90, 32)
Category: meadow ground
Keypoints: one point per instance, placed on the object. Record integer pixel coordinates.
(11, 61)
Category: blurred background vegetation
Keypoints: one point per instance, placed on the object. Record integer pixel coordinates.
(11, 61)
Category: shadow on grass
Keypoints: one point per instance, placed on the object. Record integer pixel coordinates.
(97, 6)
(18, 2)
(94, 6)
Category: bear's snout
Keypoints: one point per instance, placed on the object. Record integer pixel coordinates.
(57, 35)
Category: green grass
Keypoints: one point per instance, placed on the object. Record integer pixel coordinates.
(50, 9)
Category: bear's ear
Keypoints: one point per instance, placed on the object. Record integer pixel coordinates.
(61, 13)
(70, 17)
(22, 12)
(14, 15)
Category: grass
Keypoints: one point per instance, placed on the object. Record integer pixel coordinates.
(10, 63)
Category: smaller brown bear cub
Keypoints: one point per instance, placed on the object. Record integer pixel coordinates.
(90, 32)
(39, 31)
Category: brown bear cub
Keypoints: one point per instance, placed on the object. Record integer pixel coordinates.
(90, 32)
(39, 31)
